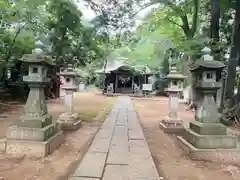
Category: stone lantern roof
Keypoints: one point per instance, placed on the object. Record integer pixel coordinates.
(69, 71)
(206, 62)
(37, 56)
(174, 74)
(37, 59)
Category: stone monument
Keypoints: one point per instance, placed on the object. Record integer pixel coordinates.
(69, 120)
(34, 134)
(172, 123)
(110, 90)
(207, 138)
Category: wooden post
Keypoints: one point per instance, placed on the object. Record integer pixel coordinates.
(116, 83)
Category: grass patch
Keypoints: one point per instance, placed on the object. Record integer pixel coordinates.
(92, 106)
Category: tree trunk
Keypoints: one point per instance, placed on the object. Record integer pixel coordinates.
(234, 55)
(190, 33)
(104, 76)
(214, 28)
(193, 93)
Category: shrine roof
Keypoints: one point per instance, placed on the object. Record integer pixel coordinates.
(120, 63)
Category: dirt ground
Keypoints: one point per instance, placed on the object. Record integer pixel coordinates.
(60, 164)
(172, 163)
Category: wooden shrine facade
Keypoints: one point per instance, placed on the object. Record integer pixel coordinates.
(125, 79)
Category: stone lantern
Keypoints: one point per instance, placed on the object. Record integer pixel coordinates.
(34, 134)
(68, 120)
(206, 132)
(172, 122)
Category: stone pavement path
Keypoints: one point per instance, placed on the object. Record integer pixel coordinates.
(119, 150)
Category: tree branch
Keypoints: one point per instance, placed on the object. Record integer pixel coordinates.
(185, 26)
(173, 22)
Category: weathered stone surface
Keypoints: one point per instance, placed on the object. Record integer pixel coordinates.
(211, 141)
(100, 145)
(69, 120)
(136, 134)
(172, 129)
(122, 123)
(34, 121)
(108, 125)
(169, 122)
(118, 154)
(228, 156)
(34, 134)
(92, 165)
(70, 125)
(208, 128)
(138, 146)
(68, 117)
(34, 148)
(142, 167)
(116, 172)
(104, 133)
(120, 131)
(127, 159)
(82, 178)
(30, 134)
(134, 124)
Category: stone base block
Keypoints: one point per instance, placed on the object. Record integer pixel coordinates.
(208, 128)
(175, 130)
(70, 126)
(231, 156)
(210, 141)
(15, 132)
(35, 121)
(33, 148)
(68, 121)
(169, 125)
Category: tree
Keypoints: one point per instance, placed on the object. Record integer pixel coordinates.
(234, 54)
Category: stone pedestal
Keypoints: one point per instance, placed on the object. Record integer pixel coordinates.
(206, 134)
(172, 123)
(69, 120)
(34, 134)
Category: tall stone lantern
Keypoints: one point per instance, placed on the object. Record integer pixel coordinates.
(172, 123)
(206, 132)
(69, 120)
(34, 134)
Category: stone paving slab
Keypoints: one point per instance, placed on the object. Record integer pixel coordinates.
(100, 145)
(136, 134)
(142, 167)
(116, 172)
(82, 178)
(92, 165)
(119, 150)
(104, 133)
(118, 155)
(138, 146)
